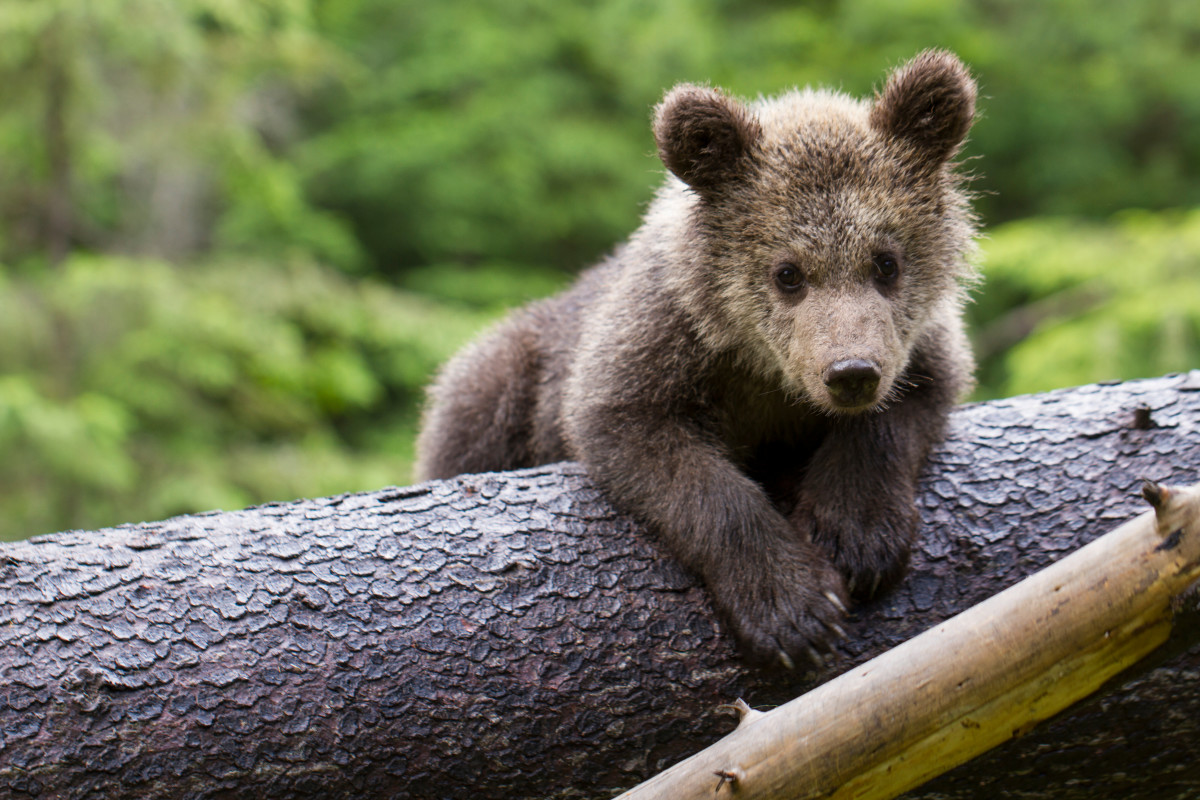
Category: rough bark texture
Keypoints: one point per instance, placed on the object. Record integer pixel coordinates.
(509, 635)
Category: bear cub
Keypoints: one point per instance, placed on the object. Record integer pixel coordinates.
(759, 373)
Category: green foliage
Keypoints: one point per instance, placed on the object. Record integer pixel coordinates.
(137, 389)
(161, 136)
(482, 131)
(1083, 111)
(187, 186)
(1068, 302)
(491, 286)
(518, 131)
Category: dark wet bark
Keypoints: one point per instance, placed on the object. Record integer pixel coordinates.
(509, 635)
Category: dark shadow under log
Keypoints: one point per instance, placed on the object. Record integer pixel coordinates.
(509, 635)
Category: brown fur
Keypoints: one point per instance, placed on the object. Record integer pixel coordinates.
(760, 372)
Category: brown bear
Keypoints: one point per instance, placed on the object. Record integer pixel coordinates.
(759, 373)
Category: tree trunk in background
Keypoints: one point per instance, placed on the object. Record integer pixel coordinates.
(59, 204)
(509, 635)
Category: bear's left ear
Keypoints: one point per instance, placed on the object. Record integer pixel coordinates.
(704, 136)
(930, 103)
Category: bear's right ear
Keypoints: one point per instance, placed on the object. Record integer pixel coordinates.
(704, 136)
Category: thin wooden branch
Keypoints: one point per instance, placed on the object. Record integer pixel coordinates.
(968, 684)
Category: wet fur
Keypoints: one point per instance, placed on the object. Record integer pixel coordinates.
(694, 389)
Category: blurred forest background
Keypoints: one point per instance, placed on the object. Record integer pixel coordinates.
(237, 236)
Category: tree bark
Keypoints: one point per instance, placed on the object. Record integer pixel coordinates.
(510, 635)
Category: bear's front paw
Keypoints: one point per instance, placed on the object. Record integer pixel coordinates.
(785, 609)
(870, 550)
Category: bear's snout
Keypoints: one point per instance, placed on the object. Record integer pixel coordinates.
(852, 382)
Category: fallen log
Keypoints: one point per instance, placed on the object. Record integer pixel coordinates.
(509, 635)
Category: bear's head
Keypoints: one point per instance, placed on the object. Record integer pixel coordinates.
(825, 235)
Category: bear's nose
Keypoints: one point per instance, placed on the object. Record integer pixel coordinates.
(852, 382)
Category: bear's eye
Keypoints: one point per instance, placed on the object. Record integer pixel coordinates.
(887, 265)
(789, 277)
